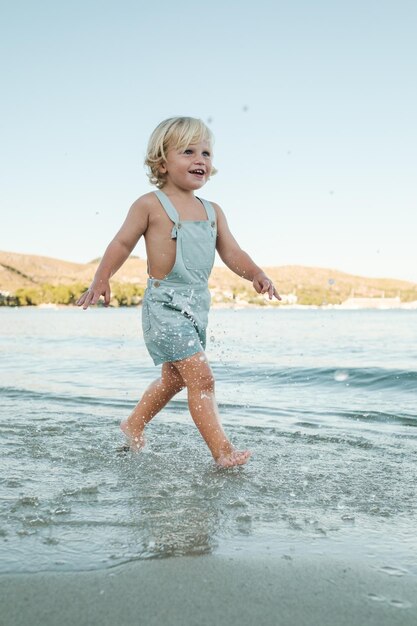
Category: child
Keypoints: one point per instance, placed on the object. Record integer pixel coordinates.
(182, 232)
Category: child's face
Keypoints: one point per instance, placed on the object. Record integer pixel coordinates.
(188, 168)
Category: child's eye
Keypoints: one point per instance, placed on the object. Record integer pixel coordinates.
(206, 153)
(188, 151)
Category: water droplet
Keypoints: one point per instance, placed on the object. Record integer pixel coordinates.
(376, 598)
(393, 571)
(401, 604)
(341, 375)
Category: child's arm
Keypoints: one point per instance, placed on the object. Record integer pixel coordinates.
(238, 260)
(116, 253)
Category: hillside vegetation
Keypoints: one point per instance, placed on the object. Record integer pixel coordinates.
(30, 280)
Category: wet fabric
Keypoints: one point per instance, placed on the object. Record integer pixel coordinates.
(175, 309)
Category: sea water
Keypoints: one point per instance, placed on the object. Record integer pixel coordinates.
(325, 399)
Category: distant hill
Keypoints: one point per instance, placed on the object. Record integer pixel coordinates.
(28, 270)
(310, 285)
(316, 285)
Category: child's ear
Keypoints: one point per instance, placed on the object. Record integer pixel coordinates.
(163, 168)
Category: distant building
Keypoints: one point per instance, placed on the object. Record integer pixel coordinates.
(7, 299)
(288, 298)
(372, 303)
(409, 305)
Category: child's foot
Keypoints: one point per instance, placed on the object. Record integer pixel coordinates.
(236, 457)
(136, 441)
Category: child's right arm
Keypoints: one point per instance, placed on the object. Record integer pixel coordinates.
(117, 252)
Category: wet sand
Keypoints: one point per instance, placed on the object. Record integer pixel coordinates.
(206, 590)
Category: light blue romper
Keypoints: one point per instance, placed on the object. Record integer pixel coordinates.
(175, 309)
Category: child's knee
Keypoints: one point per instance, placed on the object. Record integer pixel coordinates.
(175, 383)
(204, 382)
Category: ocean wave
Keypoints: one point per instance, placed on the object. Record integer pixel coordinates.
(279, 415)
(380, 417)
(370, 377)
(30, 394)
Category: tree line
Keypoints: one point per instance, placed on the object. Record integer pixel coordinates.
(122, 295)
(130, 294)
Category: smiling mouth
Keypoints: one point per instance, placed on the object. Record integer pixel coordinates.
(198, 171)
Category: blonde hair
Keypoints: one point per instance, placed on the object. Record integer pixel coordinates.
(177, 133)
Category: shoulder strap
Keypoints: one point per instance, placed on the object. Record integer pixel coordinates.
(168, 206)
(211, 213)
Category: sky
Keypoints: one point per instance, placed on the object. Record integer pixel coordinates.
(313, 105)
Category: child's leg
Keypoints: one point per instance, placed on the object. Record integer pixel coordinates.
(197, 375)
(153, 400)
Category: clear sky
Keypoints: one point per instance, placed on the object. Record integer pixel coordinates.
(313, 104)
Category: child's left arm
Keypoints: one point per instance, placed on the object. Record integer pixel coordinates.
(238, 260)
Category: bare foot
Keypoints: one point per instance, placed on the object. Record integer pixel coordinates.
(236, 457)
(136, 441)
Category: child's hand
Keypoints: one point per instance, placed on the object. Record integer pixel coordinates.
(262, 284)
(92, 295)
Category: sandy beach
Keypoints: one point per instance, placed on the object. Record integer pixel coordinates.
(195, 591)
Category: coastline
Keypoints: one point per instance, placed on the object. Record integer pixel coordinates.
(31, 280)
(203, 590)
(376, 306)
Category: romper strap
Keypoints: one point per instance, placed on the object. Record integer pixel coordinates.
(211, 213)
(170, 210)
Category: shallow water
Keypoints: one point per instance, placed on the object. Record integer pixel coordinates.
(325, 399)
